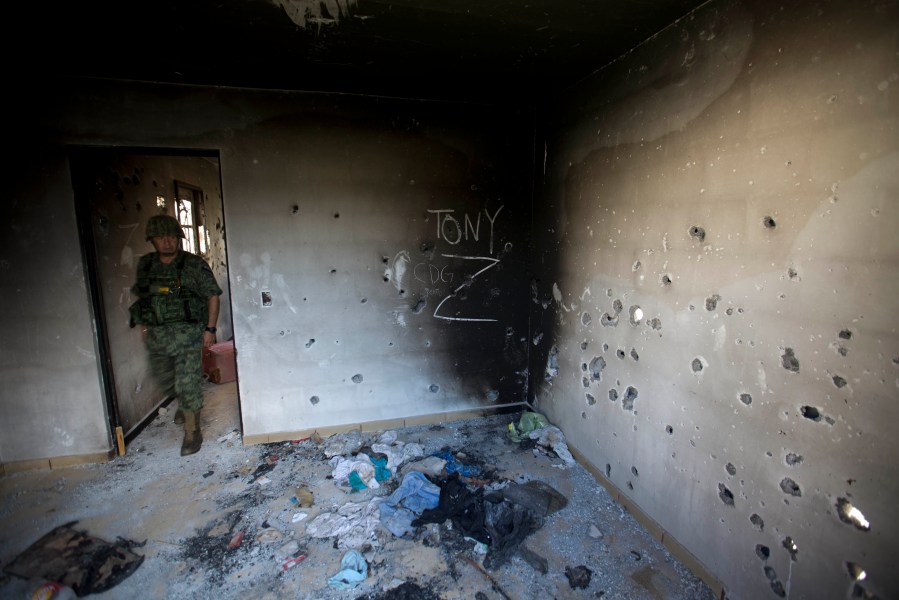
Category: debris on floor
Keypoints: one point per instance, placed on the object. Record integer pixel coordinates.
(483, 508)
(76, 560)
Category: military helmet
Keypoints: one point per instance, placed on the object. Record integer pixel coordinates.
(162, 225)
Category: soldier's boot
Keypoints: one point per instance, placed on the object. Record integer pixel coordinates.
(179, 417)
(192, 436)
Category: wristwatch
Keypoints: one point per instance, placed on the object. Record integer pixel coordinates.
(211, 329)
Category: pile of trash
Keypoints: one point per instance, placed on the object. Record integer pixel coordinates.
(439, 487)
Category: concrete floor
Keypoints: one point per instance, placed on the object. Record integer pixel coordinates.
(187, 509)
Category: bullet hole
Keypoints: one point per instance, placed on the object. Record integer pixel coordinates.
(333, 271)
(620, 353)
(596, 366)
(314, 400)
(843, 350)
(731, 469)
(427, 248)
(584, 367)
(759, 524)
(790, 487)
(434, 388)
(791, 547)
(851, 515)
(583, 415)
(630, 394)
(585, 381)
(636, 315)
(811, 413)
(608, 320)
(762, 551)
(634, 471)
(725, 494)
(845, 334)
(634, 354)
(793, 274)
(856, 573)
(793, 459)
(294, 209)
(630, 486)
(586, 318)
(608, 470)
(266, 298)
(776, 586)
(357, 378)
(385, 259)
(617, 306)
(590, 399)
(839, 381)
(613, 395)
(746, 399)
(386, 278)
(697, 232)
(656, 324)
(769, 223)
(337, 215)
(584, 345)
(698, 364)
(605, 347)
(789, 360)
(669, 429)
(402, 293)
(363, 301)
(665, 279)
(492, 395)
(711, 303)
(419, 306)
(538, 336)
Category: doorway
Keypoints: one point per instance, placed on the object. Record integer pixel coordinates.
(117, 190)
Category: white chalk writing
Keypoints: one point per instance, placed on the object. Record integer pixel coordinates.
(450, 230)
(493, 262)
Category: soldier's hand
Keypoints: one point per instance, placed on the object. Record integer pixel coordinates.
(208, 339)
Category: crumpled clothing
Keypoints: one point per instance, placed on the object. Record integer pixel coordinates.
(343, 443)
(528, 422)
(429, 465)
(363, 467)
(454, 466)
(415, 495)
(399, 452)
(354, 524)
(353, 571)
(552, 437)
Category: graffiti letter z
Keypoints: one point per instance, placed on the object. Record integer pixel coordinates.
(492, 261)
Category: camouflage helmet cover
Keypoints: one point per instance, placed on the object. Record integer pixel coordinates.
(162, 225)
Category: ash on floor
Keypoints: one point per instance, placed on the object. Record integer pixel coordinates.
(277, 520)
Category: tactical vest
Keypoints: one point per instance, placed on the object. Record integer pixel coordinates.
(163, 300)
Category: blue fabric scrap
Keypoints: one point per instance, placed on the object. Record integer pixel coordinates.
(454, 466)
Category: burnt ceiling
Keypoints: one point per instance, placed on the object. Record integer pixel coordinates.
(482, 50)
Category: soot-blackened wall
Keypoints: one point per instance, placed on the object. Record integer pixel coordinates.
(378, 255)
(716, 285)
(376, 251)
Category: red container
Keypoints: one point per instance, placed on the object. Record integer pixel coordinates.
(219, 363)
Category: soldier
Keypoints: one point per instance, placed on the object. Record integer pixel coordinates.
(177, 307)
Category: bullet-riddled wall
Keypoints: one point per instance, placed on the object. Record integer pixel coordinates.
(376, 254)
(716, 283)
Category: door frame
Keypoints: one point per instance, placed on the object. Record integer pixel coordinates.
(76, 154)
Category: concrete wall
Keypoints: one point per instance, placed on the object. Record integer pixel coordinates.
(736, 179)
(390, 238)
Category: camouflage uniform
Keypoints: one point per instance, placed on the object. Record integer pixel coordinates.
(176, 345)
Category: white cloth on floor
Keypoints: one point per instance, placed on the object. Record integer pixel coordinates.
(363, 467)
(552, 437)
(354, 524)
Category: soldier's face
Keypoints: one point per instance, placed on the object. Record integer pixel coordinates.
(166, 245)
